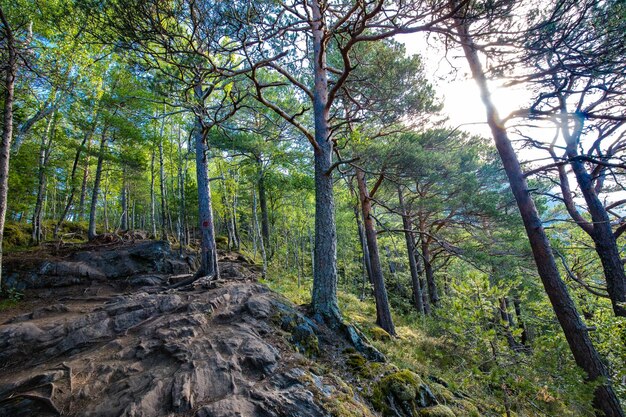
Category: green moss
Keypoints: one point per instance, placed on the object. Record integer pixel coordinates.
(356, 362)
(403, 386)
(437, 411)
(341, 402)
(344, 405)
(443, 394)
(465, 408)
(7, 304)
(380, 334)
(16, 235)
(221, 242)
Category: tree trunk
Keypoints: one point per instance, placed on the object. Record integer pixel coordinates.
(182, 175)
(367, 267)
(433, 294)
(574, 329)
(208, 248)
(152, 197)
(124, 197)
(383, 313)
(525, 337)
(506, 323)
(601, 231)
(91, 232)
(410, 248)
(324, 296)
(44, 156)
(10, 73)
(255, 227)
(265, 219)
(72, 182)
(83, 186)
(164, 214)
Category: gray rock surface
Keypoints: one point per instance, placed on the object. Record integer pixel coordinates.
(141, 262)
(209, 349)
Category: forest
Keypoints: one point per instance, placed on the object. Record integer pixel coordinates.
(441, 268)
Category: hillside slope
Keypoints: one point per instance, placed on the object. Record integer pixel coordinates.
(120, 331)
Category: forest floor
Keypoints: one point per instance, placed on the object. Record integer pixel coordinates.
(108, 330)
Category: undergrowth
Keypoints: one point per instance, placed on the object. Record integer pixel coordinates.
(519, 383)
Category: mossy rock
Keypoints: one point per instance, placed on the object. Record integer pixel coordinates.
(17, 235)
(221, 242)
(463, 407)
(380, 334)
(340, 401)
(344, 405)
(356, 362)
(401, 393)
(443, 394)
(437, 411)
(305, 339)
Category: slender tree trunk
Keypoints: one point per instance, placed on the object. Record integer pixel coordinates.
(410, 248)
(105, 200)
(124, 196)
(44, 156)
(234, 217)
(258, 236)
(525, 339)
(164, 214)
(419, 262)
(91, 232)
(182, 174)
(601, 231)
(228, 213)
(574, 329)
(265, 219)
(505, 320)
(367, 267)
(208, 248)
(383, 313)
(72, 184)
(324, 296)
(152, 197)
(433, 294)
(10, 73)
(83, 186)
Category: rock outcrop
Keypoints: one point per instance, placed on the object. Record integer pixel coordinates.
(135, 338)
(132, 260)
(210, 349)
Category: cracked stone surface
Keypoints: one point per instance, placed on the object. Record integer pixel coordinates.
(209, 349)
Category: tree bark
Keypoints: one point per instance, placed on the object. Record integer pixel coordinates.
(91, 231)
(324, 296)
(164, 214)
(383, 313)
(265, 219)
(433, 294)
(10, 73)
(83, 186)
(124, 197)
(410, 248)
(255, 227)
(601, 231)
(44, 156)
(208, 248)
(152, 197)
(363, 241)
(575, 331)
(70, 199)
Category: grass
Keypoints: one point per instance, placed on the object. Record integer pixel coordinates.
(419, 347)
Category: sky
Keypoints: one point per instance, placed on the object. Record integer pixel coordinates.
(464, 107)
(461, 98)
